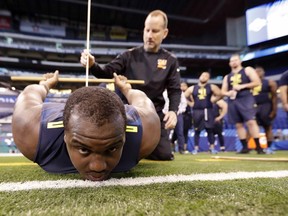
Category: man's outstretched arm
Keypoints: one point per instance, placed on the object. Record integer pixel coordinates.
(149, 117)
(27, 114)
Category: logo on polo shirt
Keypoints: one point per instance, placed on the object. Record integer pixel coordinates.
(162, 63)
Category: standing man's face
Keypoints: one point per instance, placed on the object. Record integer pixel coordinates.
(204, 77)
(154, 33)
(235, 62)
(184, 87)
(260, 72)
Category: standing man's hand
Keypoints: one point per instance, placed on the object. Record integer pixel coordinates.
(218, 119)
(238, 87)
(84, 57)
(171, 120)
(285, 107)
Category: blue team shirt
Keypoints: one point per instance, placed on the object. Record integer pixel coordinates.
(262, 93)
(202, 97)
(238, 79)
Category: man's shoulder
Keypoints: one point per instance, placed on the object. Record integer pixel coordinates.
(248, 69)
(135, 49)
(284, 79)
(132, 115)
(168, 53)
(284, 75)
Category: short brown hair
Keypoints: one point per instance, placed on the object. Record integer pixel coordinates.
(160, 13)
(236, 55)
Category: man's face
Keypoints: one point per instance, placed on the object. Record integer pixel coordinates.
(154, 33)
(183, 86)
(235, 62)
(204, 77)
(94, 151)
(260, 72)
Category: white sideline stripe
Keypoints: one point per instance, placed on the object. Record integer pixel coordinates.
(32, 185)
(11, 154)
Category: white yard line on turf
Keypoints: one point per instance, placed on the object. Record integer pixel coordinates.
(11, 154)
(30, 185)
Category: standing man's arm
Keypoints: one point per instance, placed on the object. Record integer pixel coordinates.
(254, 80)
(273, 91)
(224, 88)
(27, 114)
(183, 104)
(283, 96)
(116, 65)
(283, 83)
(174, 95)
(223, 109)
(216, 92)
(189, 97)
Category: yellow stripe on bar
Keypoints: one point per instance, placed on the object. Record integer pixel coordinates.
(131, 129)
(58, 124)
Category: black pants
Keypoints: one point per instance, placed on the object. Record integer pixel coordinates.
(163, 150)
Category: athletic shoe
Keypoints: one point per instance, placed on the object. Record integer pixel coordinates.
(260, 151)
(269, 151)
(194, 152)
(213, 151)
(244, 151)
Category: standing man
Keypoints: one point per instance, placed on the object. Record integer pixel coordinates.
(187, 115)
(266, 100)
(237, 87)
(283, 83)
(157, 67)
(178, 132)
(203, 117)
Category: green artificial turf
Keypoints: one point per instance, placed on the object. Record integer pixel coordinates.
(258, 196)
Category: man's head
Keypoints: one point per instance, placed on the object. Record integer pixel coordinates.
(155, 30)
(184, 86)
(260, 71)
(204, 77)
(235, 61)
(94, 124)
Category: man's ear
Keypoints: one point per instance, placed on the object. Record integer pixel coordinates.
(166, 31)
(65, 138)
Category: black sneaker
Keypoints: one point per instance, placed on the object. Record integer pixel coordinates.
(260, 151)
(244, 151)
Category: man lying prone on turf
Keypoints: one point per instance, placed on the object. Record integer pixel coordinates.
(94, 133)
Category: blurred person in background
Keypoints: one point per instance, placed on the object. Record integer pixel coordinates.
(202, 104)
(178, 133)
(187, 115)
(266, 99)
(237, 87)
(283, 86)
